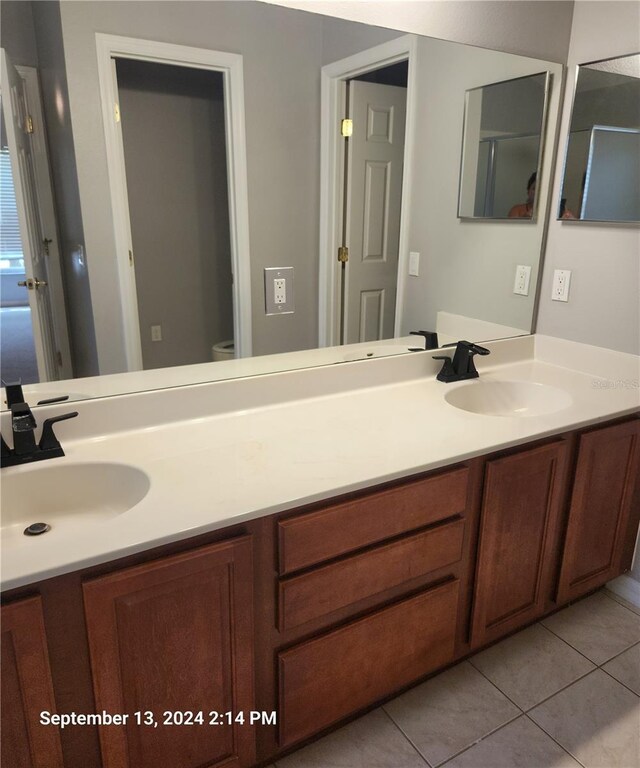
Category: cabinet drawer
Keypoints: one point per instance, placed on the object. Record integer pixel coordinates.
(328, 588)
(327, 678)
(335, 530)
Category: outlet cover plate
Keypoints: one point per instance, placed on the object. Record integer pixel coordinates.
(274, 291)
(561, 281)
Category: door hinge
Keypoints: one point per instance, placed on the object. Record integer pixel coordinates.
(45, 245)
(130, 258)
(28, 124)
(116, 112)
(346, 128)
(59, 358)
(343, 254)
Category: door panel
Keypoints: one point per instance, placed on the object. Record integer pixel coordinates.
(175, 635)
(15, 116)
(520, 516)
(27, 689)
(601, 503)
(374, 200)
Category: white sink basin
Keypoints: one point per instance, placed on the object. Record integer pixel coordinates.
(67, 496)
(508, 398)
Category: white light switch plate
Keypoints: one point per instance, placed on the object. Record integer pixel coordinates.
(414, 263)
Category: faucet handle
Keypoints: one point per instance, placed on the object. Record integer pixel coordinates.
(447, 372)
(430, 339)
(48, 440)
(13, 392)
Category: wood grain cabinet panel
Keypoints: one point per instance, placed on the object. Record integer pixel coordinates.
(519, 529)
(343, 583)
(27, 689)
(602, 503)
(329, 677)
(314, 537)
(175, 634)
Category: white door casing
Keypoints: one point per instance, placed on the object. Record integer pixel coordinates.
(373, 207)
(33, 246)
(230, 65)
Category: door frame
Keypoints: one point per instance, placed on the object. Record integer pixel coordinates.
(231, 67)
(332, 79)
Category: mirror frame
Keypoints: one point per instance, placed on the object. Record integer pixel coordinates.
(558, 217)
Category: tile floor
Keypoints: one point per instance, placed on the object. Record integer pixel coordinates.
(563, 693)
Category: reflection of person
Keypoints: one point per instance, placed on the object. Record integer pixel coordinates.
(525, 210)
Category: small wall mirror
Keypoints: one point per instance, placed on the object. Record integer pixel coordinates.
(602, 165)
(502, 148)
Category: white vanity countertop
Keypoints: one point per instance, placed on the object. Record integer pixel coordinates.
(284, 443)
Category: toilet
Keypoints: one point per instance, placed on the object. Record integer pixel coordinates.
(224, 350)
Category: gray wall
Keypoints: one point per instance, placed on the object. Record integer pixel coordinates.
(525, 27)
(604, 301)
(466, 267)
(175, 153)
(17, 35)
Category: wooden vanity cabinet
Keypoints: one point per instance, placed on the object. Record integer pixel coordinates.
(27, 689)
(175, 635)
(604, 509)
(372, 593)
(519, 530)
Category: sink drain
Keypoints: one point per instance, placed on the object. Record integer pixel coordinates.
(35, 529)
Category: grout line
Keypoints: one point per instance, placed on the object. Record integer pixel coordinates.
(560, 690)
(624, 685)
(564, 749)
(610, 595)
(482, 738)
(422, 757)
(577, 650)
(633, 645)
(495, 686)
(622, 601)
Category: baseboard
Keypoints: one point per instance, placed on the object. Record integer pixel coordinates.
(627, 588)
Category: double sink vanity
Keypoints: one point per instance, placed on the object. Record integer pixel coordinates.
(242, 565)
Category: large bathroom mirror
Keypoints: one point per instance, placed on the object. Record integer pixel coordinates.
(502, 148)
(602, 164)
(458, 281)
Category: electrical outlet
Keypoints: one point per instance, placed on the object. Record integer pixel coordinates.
(523, 276)
(156, 333)
(414, 264)
(278, 290)
(561, 280)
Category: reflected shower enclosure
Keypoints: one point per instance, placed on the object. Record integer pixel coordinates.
(602, 165)
(502, 148)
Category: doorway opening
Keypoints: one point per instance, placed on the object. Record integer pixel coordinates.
(177, 62)
(365, 178)
(174, 144)
(18, 353)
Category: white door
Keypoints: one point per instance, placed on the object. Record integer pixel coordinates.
(374, 202)
(34, 246)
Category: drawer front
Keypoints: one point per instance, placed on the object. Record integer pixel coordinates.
(328, 588)
(335, 530)
(325, 679)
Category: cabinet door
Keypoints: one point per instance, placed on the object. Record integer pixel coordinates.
(518, 537)
(175, 635)
(602, 503)
(27, 689)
